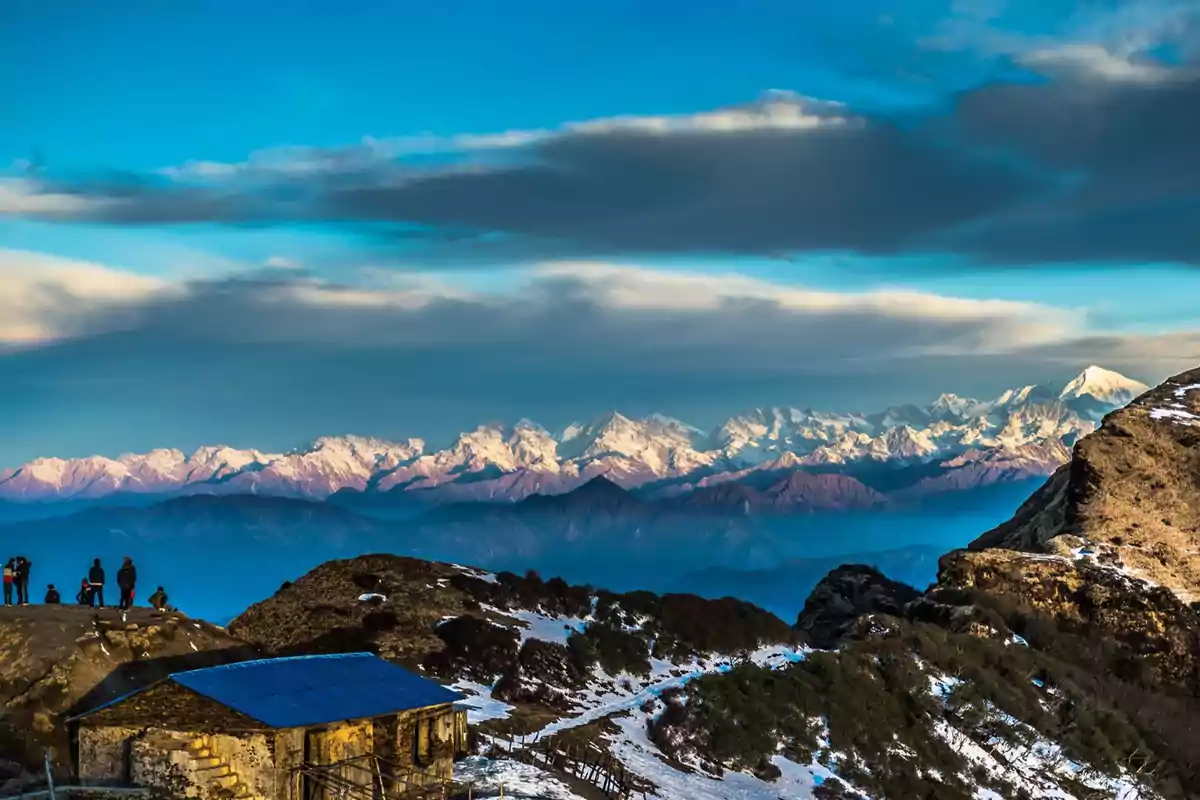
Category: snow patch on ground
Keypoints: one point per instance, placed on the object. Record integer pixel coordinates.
(474, 572)
(607, 694)
(482, 706)
(547, 629)
(1032, 764)
(1035, 766)
(1177, 412)
(1091, 554)
(643, 758)
(506, 778)
(942, 686)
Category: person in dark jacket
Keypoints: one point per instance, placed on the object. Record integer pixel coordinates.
(84, 598)
(127, 580)
(10, 577)
(159, 599)
(52, 596)
(24, 565)
(96, 583)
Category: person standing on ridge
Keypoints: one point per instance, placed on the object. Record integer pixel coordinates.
(126, 580)
(96, 583)
(24, 565)
(10, 575)
(52, 596)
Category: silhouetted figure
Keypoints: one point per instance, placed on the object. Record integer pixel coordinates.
(96, 584)
(10, 576)
(24, 565)
(84, 597)
(159, 599)
(52, 596)
(126, 581)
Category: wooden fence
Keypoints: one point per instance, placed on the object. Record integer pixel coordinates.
(585, 761)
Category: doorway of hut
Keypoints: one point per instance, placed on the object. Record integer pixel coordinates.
(316, 753)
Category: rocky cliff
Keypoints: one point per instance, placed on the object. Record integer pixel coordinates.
(1130, 494)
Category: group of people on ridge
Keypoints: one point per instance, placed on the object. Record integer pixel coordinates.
(91, 589)
(16, 576)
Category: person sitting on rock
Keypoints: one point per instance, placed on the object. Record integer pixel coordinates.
(84, 598)
(159, 599)
(52, 596)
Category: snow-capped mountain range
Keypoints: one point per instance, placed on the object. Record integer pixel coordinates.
(1024, 432)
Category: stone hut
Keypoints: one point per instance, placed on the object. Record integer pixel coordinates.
(302, 728)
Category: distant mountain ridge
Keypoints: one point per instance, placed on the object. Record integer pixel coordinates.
(1025, 432)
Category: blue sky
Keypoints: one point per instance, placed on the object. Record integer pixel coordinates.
(999, 191)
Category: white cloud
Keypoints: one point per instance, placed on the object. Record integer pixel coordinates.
(776, 110)
(1011, 324)
(46, 298)
(24, 196)
(1087, 60)
(1104, 42)
(566, 335)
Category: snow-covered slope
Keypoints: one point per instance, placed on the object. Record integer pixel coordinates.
(498, 462)
(877, 691)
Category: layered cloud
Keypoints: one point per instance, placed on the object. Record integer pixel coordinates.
(100, 360)
(1094, 161)
(599, 305)
(1081, 149)
(45, 299)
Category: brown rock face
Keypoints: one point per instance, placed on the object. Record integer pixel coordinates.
(57, 661)
(1148, 623)
(845, 594)
(321, 612)
(1132, 491)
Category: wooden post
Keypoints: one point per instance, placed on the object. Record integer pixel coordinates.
(49, 775)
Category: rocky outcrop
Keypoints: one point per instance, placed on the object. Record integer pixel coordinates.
(322, 611)
(1140, 622)
(844, 595)
(57, 661)
(1131, 492)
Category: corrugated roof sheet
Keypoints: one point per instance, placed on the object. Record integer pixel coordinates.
(314, 690)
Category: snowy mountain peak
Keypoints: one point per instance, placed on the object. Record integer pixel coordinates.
(1111, 388)
(508, 462)
(952, 405)
(1025, 395)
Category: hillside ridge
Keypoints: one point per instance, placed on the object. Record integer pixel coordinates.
(1131, 492)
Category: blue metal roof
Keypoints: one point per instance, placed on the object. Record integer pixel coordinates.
(314, 690)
